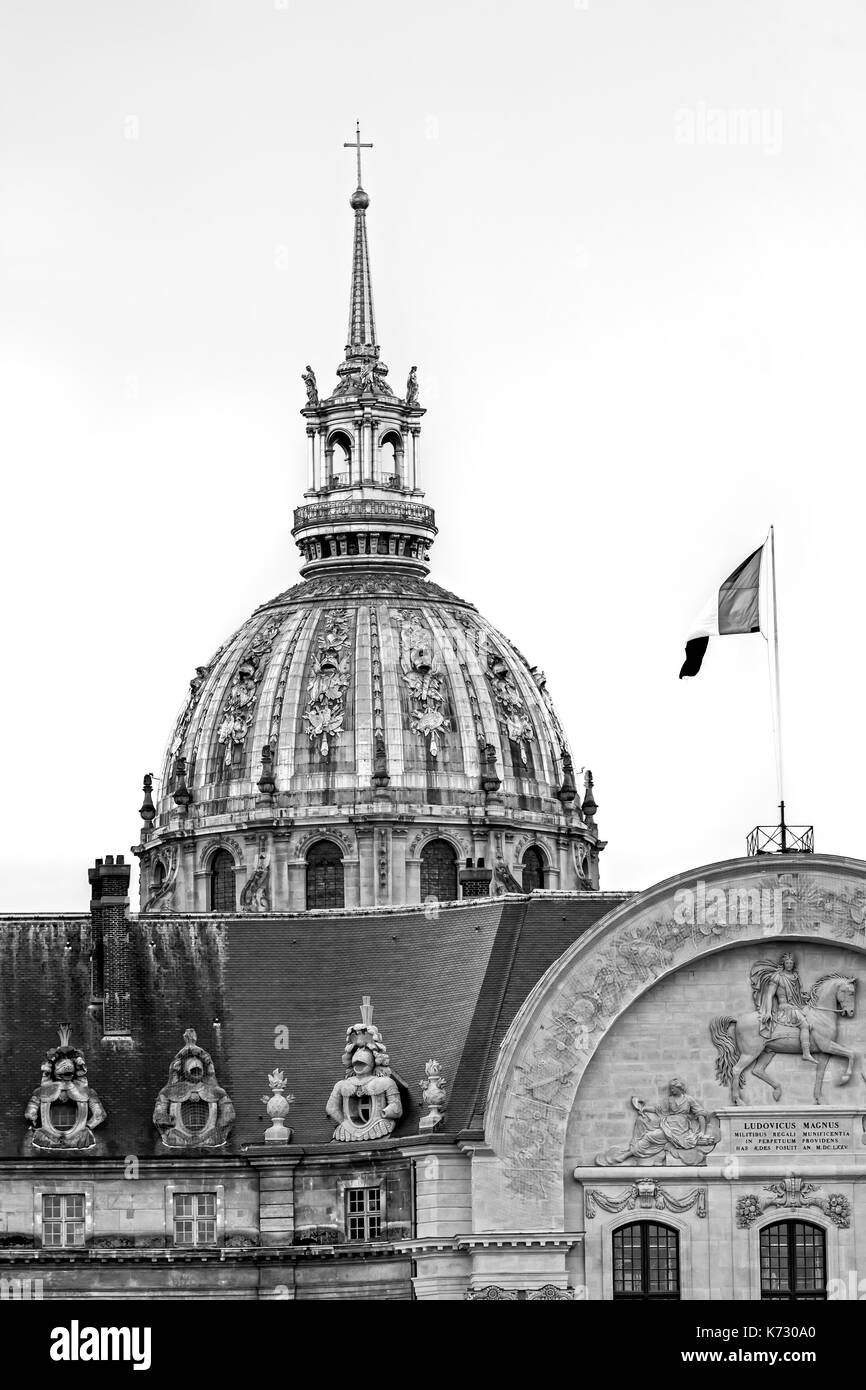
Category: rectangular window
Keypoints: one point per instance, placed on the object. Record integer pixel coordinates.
(364, 1213)
(63, 1220)
(195, 1218)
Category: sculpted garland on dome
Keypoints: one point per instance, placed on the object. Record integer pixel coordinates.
(239, 707)
(326, 687)
(195, 689)
(421, 667)
(507, 696)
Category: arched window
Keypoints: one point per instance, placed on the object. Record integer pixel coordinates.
(646, 1261)
(338, 461)
(391, 460)
(533, 870)
(222, 882)
(438, 872)
(158, 877)
(325, 876)
(793, 1262)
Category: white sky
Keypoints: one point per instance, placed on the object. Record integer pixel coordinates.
(636, 352)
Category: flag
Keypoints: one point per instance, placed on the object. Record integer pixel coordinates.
(735, 607)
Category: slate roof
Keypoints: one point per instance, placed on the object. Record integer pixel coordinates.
(445, 986)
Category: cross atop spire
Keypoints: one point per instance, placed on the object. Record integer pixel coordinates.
(357, 146)
(362, 351)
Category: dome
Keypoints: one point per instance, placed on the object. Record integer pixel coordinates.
(374, 698)
(366, 738)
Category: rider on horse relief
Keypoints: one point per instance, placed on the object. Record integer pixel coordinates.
(779, 998)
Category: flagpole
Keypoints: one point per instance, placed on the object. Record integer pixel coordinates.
(777, 692)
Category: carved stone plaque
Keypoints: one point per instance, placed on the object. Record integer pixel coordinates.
(770, 1132)
(792, 1134)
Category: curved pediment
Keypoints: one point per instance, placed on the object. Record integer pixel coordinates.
(692, 943)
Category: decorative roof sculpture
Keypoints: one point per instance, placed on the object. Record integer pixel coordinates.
(64, 1111)
(366, 1103)
(192, 1110)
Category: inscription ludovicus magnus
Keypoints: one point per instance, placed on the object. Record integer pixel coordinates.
(733, 907)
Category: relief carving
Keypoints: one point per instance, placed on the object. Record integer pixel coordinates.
(678, 1129)
(787, 1018)
(237, 715)
(421, 667)
(326, 687)
(646, 1195)
(508, 698)
(163, 892)
(256, 892)
(793, 1193)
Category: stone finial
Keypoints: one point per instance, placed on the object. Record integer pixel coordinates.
(589, 803)
(381, 775)
(278, 1106)
(567, 791)
(433, 1089)
(366, 1104)
(147, 810)
(182, 795)
(64, 1084)
(490, 782)
(267, 785)
(192, 1110)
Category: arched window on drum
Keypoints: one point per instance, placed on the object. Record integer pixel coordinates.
(325, 886)
(391, 460)
(533, 870)
(438, 872)
(222, 882)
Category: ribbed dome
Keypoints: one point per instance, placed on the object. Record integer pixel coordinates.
(350, 682)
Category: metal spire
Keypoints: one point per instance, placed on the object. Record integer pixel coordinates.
(362, 324)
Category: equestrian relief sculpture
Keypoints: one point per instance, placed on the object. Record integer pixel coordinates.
(787, 1018)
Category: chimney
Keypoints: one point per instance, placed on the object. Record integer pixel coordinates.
(109, 905)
